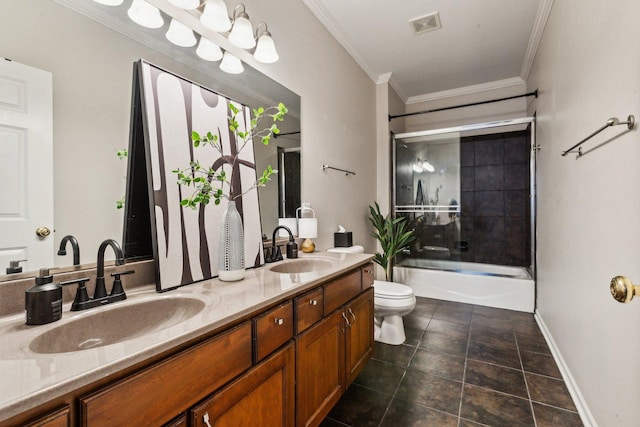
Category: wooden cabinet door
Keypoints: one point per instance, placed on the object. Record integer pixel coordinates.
(320, 369)
(263, 397)
(359, 334)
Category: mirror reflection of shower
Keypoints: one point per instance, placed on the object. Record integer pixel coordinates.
(466, 192)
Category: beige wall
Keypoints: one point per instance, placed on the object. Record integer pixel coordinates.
(92, 69)
(587, 70)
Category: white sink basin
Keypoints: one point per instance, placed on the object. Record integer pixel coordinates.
(116, 323)
(302, 265)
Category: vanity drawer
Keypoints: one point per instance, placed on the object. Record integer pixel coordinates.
(272, 329)
(309, 309)
(157, 394)
(341, 290)
(59, 418)
(367, 276)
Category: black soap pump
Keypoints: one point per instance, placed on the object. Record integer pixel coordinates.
(43, 301)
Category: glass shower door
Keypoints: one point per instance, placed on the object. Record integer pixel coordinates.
(467, 194)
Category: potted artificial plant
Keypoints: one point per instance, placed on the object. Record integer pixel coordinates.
(394, 236)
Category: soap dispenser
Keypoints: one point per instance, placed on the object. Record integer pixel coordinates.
(43, 301)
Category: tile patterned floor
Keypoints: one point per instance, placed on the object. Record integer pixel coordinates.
(462, 365)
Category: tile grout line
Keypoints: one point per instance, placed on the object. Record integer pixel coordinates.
(406, 368)
(464, 372)
(526, 383)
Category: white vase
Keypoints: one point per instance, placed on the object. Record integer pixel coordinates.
(231, 251)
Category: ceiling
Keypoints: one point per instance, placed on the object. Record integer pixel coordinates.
(481, 44)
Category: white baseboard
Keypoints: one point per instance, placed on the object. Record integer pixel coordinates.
(578, 399)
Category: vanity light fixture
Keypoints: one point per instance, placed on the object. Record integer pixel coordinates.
(426, 165)
(266, 48)
(423, 165)
(185, 4)
(145, 14)
(231, 64)
(180, 35)
(241, 34)
(110, 2)
(208, 50)
(215, 16)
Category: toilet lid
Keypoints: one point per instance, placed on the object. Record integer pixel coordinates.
(391, 290)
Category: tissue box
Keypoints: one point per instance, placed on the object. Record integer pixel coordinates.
(343, 240)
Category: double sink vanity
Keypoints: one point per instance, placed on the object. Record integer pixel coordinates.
(277, 348)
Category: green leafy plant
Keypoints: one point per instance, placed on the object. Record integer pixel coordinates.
(211, 181)
(122, 154)
(394, 236)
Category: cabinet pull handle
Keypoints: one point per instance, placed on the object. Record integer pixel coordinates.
(313, 302)
(205, 419)
(346, 320)
(279, 321)
(352, 314)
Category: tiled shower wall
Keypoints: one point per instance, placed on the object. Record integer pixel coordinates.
(495, 208)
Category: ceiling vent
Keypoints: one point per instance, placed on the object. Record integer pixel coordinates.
(426, 23)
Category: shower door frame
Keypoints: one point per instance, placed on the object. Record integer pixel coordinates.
(533, 148)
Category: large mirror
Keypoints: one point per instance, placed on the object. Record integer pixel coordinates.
(89, 49)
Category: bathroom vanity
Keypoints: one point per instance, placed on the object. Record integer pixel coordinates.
(278, 348)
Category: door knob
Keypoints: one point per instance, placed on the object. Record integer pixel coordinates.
(622, 290)
(43, 231)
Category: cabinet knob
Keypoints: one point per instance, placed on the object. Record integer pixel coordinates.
(279, 321)
(313, 302)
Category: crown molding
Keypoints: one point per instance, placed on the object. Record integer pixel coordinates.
(536, 35)
(383, 78)
(466, 90)
(329, 23)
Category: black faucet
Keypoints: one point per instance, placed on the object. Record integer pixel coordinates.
(274, 254)
(100, 297)
(74, 244)
(101, 290)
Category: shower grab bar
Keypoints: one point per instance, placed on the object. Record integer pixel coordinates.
(613, 121)
(346, 172)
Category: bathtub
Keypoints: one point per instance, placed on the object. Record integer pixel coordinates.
(499, 286)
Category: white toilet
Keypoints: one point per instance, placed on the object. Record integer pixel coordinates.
(391, 301)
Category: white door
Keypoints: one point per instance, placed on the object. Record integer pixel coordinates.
(26, 165)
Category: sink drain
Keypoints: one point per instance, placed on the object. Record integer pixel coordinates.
(91, 342)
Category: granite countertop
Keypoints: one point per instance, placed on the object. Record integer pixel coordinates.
(29, 378)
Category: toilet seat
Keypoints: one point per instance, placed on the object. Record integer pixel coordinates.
(391, 290)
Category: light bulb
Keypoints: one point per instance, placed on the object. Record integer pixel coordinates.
(208, 50)
(231, 64)
(180, 35)
(428, 166)
(215, 16)
(417, 168)
(266, 49)
(241, 34)
(144, 14)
